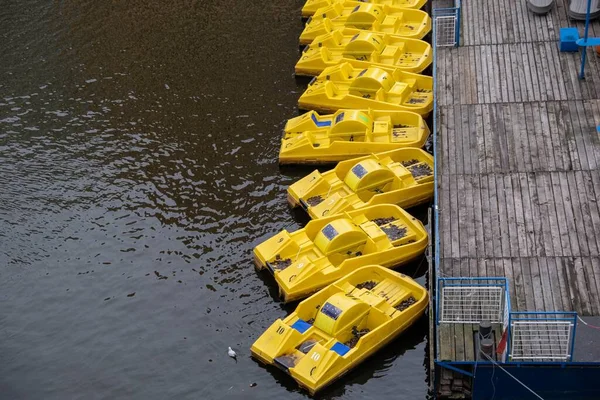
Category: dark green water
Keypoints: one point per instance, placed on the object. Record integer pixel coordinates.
(138, 168)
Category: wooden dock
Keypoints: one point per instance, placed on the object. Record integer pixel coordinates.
(518, 162)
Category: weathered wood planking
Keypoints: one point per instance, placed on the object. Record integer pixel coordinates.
(519, 159)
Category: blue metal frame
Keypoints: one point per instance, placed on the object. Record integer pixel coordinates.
(529, 316)
(453, 368)
(585, 43)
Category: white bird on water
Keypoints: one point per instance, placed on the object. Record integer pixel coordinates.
(231, 353)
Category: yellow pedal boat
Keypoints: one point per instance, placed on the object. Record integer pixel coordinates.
(343, 86)
(414, 24)
(337, 328)
(363, 50)
(403, 177)
(311, 6)
(329, 248)
(317, 139)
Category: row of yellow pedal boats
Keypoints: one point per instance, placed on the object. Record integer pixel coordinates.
(367, 105)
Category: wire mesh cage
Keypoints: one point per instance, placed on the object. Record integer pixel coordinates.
(542, 336)
(472, 300)
(445, 28)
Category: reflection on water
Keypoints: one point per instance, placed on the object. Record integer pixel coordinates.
(138, 168)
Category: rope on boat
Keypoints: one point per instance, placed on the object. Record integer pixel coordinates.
(512, 376)
(586, 324)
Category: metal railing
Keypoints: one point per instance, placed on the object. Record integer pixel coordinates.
(472, 300)
(541, 336)
(446, 25)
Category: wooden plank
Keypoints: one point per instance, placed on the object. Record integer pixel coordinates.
(456, 76)
(580, 221)
(518, 302)
(511, 22)
(553, 63)
(537, 222)
(496, 75)
(552, 210)
(462, 221)
(496, 28)
(594, 268)
(446, 340)
(499, 138)
(486, 218)
(532, 62)
(579, 140)
(577, 245)
(533, 149)
(473, 133)
(592, 285)
(508, 271)
(472, 76)
(588, 134)
(567, 249)
(592, 205)
(592, 116)
(520, 200)
(536, 282)
(509, 137)
(559, 291)
(546, 137)
(570, 78)
(479, 75)
(471, 241)
(444, 75)
(505, 64)
(525, 133)
(453, 188)
(470, 270)
(488, 140)
(536, 60)
(500, 240)
(562, 129)
(458, 269)
(538, 137)
(506, 20)
(451, 139)
(570, 136)
(514, 231)
(561, 159)
(546, 284)
(444, 213)
(518, 139)
(529, 75)
(526, 293)
(571, 70)
(464, 129)
(478, 216)
(524, 27)
(581, 286)
(482, 81)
